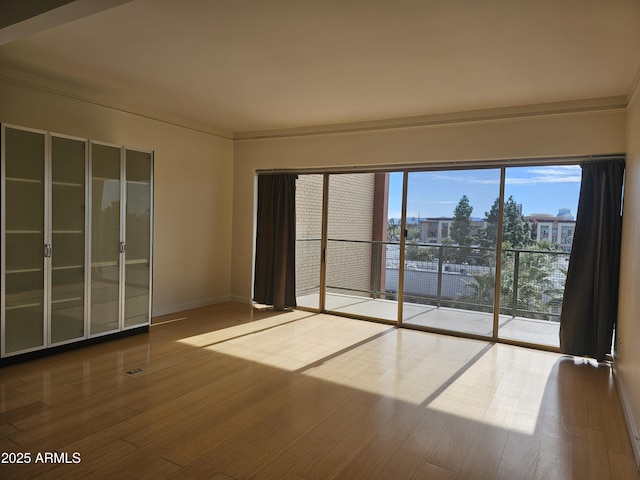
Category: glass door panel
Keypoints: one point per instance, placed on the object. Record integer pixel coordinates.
(450, 250)
(138, 238)
(24, 311)
(105, 239)
(360, 247)
(309, 190)
(68, 239)
(539, 209)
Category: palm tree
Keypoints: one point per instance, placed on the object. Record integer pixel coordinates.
(391, 232)
(483, 292)
(537, 295)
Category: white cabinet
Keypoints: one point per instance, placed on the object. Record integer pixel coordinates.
(121, 227)
(77, 223)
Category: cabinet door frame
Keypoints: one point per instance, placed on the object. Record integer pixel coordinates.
(89, 252)
(3, 236)
(49, 230)
(123, 234)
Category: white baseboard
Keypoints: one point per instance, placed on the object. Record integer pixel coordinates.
(239, 299)
(166, 310)
(628, 416)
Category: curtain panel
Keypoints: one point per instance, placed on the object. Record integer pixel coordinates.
(275, 271)
(590, 302)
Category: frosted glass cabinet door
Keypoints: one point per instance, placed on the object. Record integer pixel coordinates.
(68, 234)
(138, 238)
(105, 239)
(24, 249)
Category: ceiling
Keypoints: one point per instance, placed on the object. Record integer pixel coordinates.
(229, 67)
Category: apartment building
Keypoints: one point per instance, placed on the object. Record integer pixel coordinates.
(435, 230)
(542, 227)
(553, 229)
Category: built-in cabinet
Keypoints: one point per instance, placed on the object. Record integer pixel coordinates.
(77, 223)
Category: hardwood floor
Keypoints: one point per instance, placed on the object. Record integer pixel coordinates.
(229, 392)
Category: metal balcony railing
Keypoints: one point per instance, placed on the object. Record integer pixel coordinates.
(531, 284)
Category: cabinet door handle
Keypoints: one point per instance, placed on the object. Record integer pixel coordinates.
(47, 250)
(122, 247)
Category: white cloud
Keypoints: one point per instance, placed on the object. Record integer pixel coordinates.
(543, 179)
(417, 202)
(530, 176)
(465, 179)
(550, 174)
(556, 170)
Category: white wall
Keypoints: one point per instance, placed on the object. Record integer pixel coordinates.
(193, 189)
(628, 330)
(541, 136)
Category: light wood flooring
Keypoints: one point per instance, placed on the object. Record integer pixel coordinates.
(230, 392)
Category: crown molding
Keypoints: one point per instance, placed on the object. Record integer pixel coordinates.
(634, 88)
(603, 104)
(59, 88)
(49, 85)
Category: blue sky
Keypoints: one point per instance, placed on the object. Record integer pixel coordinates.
(543, 189)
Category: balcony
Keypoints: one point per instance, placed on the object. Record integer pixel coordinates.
(447, 288)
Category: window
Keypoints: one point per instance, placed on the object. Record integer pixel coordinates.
(421, 248)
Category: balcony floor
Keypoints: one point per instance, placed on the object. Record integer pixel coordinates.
(457, 320)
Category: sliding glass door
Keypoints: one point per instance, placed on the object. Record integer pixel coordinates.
(360, 246)
(450, 250)
(420, 248)
(361, 243)
(538, 227)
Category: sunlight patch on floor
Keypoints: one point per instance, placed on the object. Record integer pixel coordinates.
(296, 345)
(457, 376)
(502, 397)
(243, 329)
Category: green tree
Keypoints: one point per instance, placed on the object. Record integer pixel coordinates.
(489, 236)
(418, 252)
(392, 234)
(515, 228)
(482, 292)
(537, 294)
(412, 229)
(461, 226)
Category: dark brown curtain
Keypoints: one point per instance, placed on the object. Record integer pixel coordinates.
(590, 303)
(275, 270)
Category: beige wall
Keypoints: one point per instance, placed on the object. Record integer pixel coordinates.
(552, 135)
(628, 330)
(193, 189)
